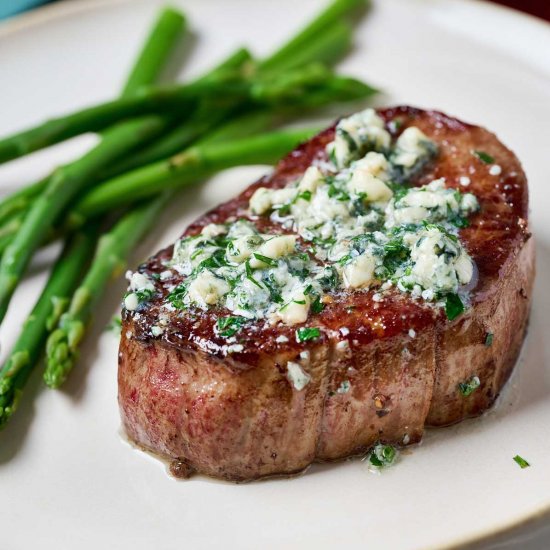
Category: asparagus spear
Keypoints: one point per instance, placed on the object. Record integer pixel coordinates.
(325, 47)
(45, 315)
(94, 119)
(192, 165)
(69, 180)
(336, 11)
(200, 122)
(164, 35)
(109, 260)
(225, 89)
(18, 202)
(66, 273)
(101, 116)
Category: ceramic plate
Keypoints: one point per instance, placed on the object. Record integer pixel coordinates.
(70, 480)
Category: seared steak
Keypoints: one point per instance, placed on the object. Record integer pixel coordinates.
(379, 370)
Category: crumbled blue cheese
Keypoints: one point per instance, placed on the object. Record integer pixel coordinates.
(433, 202)
(274, 247)
(374, 163)
(359, 273)
(234, 348)
(374, 189)
(342, 345)
(206, 289)
(265, 199)
(438, 261)
(131, 301)
(156, 330)
(295, 311)
(213, 230)
(297, 376)
(412, 148)
(343, 225)
(141, 288)
(311, 179)
(357, 134)
(140, 282)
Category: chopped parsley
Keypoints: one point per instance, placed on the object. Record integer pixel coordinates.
(453, 306)
(229, 326)
(317, 306)
(265, 259)
(521, 462)
(305, 195)
(484, 157)
(307, 333)
(213, 262)
(382, 456)
(177, 296)
(469, 386)
(250, 274)
(144, 294)
(489, 339)
(395, 253)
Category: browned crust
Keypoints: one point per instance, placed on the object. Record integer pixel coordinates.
(238, 418)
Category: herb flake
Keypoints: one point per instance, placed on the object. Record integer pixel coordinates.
(382, 456)
(521, 462)
(229, 326)
(317, 306)
(469, 386)
(307, 333)
(265, 259)
(484, 157)
(453, 306)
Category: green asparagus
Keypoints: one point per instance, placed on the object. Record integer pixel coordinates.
(192, 165)
(220, 90)
(69, 180)
(170, 144)
(54, 299)
(110, 259)
(169, 100)
(165, 34)
(336, 11)
(67, 271)
(325, 48)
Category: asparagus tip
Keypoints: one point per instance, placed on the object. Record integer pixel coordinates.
(62, 351)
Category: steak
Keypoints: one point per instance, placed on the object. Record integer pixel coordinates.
(380, 370)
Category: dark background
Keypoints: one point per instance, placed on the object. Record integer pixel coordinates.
(541, 8)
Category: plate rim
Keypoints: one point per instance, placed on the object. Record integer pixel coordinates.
(47, 12)
(44, 14)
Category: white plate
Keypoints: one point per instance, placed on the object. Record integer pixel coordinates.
(68, 479)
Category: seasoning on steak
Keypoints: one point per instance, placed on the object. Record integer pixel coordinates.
(377, 370)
